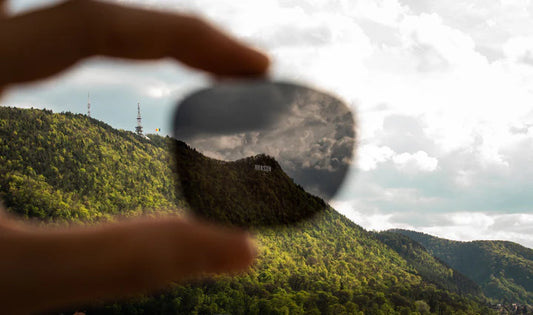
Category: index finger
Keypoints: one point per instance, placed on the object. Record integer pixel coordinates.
(41, 43)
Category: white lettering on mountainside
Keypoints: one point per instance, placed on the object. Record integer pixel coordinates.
(264, 168)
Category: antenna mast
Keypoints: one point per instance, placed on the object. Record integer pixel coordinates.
(89, 105)
(139, 128)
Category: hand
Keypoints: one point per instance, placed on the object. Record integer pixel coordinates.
(42, 43)
(43, 268)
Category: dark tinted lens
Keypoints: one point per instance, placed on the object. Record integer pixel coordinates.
(261, 153)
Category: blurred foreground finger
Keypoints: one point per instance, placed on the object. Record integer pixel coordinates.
(203, 247)
(58, 268)
(41, 43)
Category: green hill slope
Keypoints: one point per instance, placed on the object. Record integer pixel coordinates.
(237, 194)
(430, 268)
(504, 270)
(69, 168)
(325, 266)
(72, 168)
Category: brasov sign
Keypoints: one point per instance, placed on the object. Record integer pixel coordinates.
(264, 168)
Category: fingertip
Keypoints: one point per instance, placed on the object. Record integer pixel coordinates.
(261, 62)
(239, 61)
(206, 248)
(246, 62)
(234, 254)
(246, 252)
(208, 48)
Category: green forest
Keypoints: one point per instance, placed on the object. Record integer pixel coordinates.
(504, 270)
(70, 169)
(430, 268)
(234, 193)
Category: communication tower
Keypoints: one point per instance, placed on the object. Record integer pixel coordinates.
(139, 128)
(89, 105)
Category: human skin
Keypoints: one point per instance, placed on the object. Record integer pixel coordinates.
(44, 268)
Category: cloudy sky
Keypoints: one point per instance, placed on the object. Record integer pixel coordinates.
(310, 134)
(443, 92)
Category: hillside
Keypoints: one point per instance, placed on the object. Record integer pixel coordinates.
(236, 193)
(70, 168)
(503, 270)
(430, 268)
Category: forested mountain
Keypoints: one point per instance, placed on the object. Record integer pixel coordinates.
(430, 268)
(504, 270)
(236, 193)
(73, 168)
(70, 168)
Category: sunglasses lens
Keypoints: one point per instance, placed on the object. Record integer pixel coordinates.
(261, 153)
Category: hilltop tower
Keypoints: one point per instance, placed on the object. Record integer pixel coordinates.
(139, 128)
(89, 105)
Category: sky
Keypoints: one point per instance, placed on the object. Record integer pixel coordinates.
(309, 133)
(442, 91)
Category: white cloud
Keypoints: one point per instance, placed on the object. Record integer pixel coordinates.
(453, 46)
(468, 226)
(419, 161)
(158, 91)
(519, 49)
(367, 219)
(370, 155)
(443, 91)
(461, 226)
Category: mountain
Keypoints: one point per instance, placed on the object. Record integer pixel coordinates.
(68, 168)
(72, 168)
(430, 268)
(503, 270)
(238, 193)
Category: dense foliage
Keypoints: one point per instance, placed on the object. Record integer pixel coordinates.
(325, 266)
(430, 268)
(65, 167)
(236, 193)
(72, 168)
(504, 270)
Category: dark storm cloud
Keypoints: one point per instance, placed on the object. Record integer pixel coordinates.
(230, 109)
(311, 134)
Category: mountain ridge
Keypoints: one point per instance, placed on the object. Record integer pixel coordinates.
(430, 267)
(327, 265)
(507, 274)
(236, 193)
